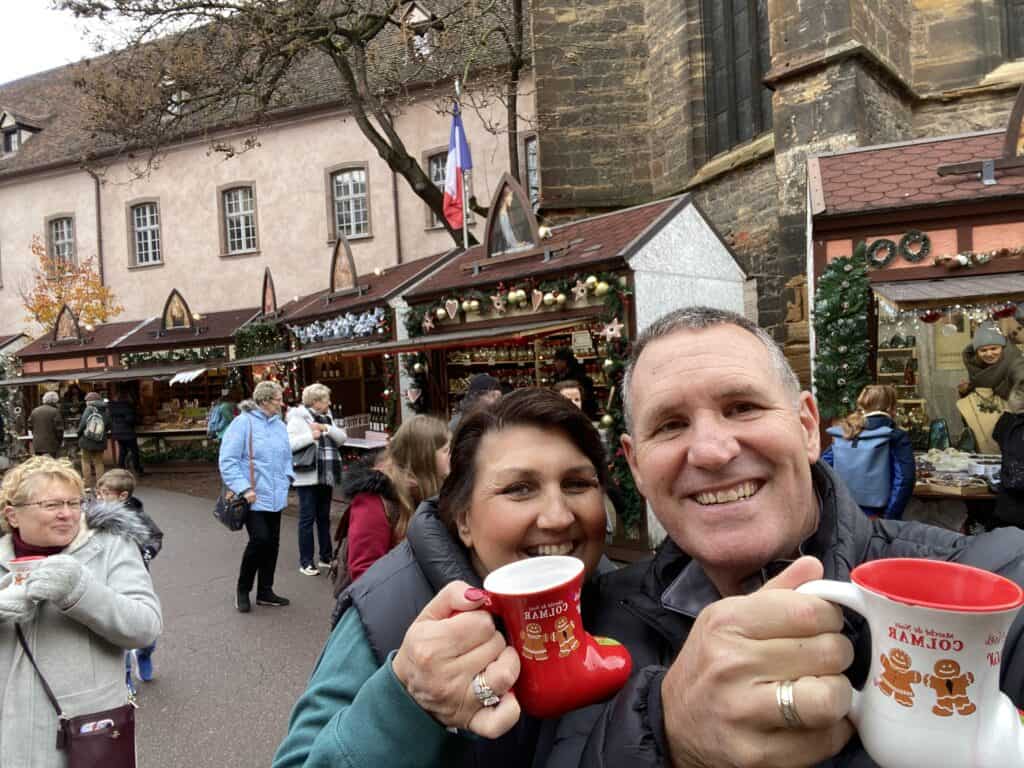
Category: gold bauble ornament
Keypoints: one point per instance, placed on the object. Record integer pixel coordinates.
(440, 313)
(466, 305)
(549, 299)
(560, 299)
(608, 364)
(623, 281)
(591, 282)
(474, 305)
(601, 288)
(607, 421)
(417, 367)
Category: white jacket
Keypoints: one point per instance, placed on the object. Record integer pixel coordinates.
(81, 649)
(300, 435)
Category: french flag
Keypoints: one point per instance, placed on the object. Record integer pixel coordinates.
(459, 162)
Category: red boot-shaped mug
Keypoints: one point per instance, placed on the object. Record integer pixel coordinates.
(563, 666)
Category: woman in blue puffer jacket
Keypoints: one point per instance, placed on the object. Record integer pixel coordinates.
(873, 456)
(266, 489)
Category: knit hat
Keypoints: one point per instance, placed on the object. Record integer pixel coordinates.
(987, 336)
(92, 397)
(481, 383)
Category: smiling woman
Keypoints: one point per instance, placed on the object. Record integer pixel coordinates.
(527, 478)
(87, 599)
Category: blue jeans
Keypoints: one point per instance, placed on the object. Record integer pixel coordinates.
(314, 508)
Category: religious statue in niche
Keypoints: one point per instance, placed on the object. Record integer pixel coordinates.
(511, 231)
(67, 328)
(176, 314)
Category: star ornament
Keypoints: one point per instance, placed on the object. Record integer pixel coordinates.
(428, 324)
(579, 291)
(499, 303)
(613, 330)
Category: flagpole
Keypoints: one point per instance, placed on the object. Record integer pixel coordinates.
(458, 148)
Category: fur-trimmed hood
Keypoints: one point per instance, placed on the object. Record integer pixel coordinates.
(117, 518)
(363, 477)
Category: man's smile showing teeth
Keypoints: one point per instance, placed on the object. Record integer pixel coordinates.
(551, 549)
(737, 493)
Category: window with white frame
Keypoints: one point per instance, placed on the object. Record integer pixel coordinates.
(10, 141)
(239, 220)
(532, 170)
(62, 239)
(146, 233)
(436, 167)
(351, 203)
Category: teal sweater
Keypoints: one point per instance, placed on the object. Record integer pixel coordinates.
(354, 714)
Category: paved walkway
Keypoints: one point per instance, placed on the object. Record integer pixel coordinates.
(225, 682)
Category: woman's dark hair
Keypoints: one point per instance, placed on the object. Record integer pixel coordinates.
(531, 407)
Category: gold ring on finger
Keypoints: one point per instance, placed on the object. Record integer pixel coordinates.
(787, 705)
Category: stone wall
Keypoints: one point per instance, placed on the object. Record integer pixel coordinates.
(954, 43)
(593, 99)
(968, 114)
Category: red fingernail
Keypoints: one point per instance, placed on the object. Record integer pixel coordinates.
(474, 595)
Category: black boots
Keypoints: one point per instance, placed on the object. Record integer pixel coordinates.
(267, 597)
(242, 601)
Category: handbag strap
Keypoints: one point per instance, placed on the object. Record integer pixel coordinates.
(252, 466)
(46, 685)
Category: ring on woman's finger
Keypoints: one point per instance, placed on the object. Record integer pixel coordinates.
(483, 691)
(787, 705)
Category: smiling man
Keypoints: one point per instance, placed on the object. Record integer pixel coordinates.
(731, 666)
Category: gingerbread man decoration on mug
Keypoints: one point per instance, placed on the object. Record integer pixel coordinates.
(533, 642)
(950, 686)
(564, 636)
(897, 677)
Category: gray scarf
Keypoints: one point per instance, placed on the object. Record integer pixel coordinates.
(995, 377)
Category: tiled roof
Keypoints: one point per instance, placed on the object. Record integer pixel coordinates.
(379, 288)
(51, 101)
(97, 340)
(905, 175)
(574, 246)
(213, 328)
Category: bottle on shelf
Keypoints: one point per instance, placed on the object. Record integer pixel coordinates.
(908, 373)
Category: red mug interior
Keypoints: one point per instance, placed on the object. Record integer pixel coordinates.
(939, 585)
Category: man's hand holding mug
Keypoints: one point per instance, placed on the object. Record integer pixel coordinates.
(760, 680)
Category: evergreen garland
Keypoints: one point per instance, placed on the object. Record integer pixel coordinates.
(841, 334)
(258, 339)
(418, 380)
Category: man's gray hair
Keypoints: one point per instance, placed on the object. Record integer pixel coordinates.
(699, 318)
(315, 393)
(266, 391)
(51, 398)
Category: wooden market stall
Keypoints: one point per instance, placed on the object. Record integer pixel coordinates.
(940, 227)
(506, 306)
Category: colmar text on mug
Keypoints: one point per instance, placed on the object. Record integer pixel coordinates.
(937, 633)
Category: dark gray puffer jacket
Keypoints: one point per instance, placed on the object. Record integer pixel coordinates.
(628, 731)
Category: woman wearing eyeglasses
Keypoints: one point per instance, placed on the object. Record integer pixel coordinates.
(79, 609)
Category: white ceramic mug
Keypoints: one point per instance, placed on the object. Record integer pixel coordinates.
(937, 632)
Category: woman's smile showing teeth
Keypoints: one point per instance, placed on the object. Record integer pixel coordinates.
(737, 492)
(551, 549)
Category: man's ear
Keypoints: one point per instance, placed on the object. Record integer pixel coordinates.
(810, 420)
(629, 449)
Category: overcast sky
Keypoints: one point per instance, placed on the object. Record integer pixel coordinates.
(34, 37)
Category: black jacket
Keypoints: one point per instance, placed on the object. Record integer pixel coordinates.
(391, 594)
(122, 419)
(628, 730)
(1009, 433)
(154, 540)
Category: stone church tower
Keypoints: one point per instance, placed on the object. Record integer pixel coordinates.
(640, 99)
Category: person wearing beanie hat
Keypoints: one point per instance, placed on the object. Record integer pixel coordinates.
(93, 430)
(483, 390)
(989, 361)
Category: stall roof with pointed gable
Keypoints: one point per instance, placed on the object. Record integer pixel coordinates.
(211, 329)
(576, 246)
(379, 288)
(98, 340)
(905, 175)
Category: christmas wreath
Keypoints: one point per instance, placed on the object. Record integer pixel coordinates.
(915, 238)
(881, 244)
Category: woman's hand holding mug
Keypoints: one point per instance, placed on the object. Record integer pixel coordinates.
(445, 650)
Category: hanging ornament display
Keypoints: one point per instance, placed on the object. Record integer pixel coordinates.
(1008, 311)
(612, 330)
(537, 298)
(932, 315)
(451, 307)
(347, 326)
(579, 291)
(428, 324)
(498, 301)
